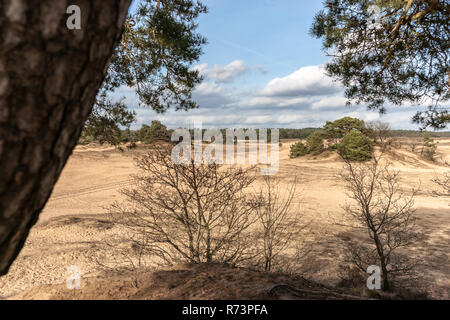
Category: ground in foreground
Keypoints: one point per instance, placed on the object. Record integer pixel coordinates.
(206, 282)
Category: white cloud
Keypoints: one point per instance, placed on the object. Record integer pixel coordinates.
(305, 98)
(371, 116)
(223, 73)
(306, 81)
(260, 101)
(329, 102)
(307, 87)
(212, 95)
(245, 116)
(208, 88)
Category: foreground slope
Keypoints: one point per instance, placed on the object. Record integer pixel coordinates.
(209, 281)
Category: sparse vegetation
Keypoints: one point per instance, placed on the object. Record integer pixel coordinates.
(279, 223)
(443, 184)
(123, 249)
(385, 214)
(428, 147)
(199, 213)
(188, 212)
(380, 133)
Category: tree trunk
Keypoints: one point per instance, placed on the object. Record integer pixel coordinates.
(49, 77)
(384, 273)
(385, 279)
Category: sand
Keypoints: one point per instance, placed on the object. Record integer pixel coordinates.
(73, 223)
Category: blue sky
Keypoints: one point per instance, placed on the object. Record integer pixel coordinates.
(263, 69)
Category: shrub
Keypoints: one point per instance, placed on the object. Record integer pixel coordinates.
(297, 150)
(385, 215)
(443, 183)
(337, 129)
(429, 147)
(333, 146)
(132, 145)
(150, 134)
(196, 213)
(380, 133)
(279, 222)
(314, 143)
(126, 135)
(355, 146)
(85, 138)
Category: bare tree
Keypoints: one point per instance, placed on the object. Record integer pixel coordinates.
(279, 223)
(380, 132)
(443, 184)
(128, 252)
(196, 213)
(49, 77)
(385, 213)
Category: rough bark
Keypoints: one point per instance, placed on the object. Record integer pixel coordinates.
(49, 77)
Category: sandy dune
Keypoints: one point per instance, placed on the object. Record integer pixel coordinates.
(73, 223)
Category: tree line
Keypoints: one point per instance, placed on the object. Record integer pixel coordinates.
(158, 131)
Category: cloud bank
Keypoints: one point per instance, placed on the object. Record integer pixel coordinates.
(306, 97)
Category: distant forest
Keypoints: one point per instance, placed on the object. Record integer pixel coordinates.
(305, 132)
(286, 133)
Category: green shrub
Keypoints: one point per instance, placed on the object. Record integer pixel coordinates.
(429, 147)
(297, 150)
(333, 146)
(150, 134)
(340, 127)
(85, 138)
(314, 143)
(355, 146)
